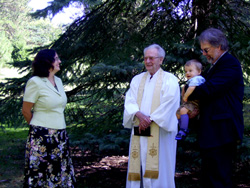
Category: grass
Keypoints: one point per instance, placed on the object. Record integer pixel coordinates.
(12, 148)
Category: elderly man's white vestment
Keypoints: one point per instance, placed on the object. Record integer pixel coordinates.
(165, 117)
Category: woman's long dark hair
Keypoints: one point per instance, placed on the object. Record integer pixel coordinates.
(43, 62)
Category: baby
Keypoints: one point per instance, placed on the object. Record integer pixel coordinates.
(189, 109)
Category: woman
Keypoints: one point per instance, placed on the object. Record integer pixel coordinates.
(47, 158)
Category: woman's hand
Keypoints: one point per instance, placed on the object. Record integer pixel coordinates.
(26, 110)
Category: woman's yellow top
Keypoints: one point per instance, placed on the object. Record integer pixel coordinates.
(49, 103)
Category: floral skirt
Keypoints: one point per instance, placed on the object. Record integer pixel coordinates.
(47, 159)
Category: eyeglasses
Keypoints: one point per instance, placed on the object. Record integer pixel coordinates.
(206, 50)
(150, 58)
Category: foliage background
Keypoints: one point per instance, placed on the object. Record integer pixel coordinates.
(101, 52)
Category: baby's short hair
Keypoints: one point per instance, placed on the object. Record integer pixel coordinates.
(194, 62)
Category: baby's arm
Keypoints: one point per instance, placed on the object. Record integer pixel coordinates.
(188, 92)
(183, 91)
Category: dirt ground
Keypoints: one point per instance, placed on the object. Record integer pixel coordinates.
(96, 171)
(102, 171)
(99, 171)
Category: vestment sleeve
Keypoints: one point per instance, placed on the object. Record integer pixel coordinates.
(165, 114)
(31, 91)
(130, 105)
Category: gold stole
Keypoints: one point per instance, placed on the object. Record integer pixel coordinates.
(152, 161)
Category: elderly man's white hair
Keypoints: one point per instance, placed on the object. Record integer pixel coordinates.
(161, 51)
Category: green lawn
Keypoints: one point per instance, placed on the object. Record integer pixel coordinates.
(12, 148)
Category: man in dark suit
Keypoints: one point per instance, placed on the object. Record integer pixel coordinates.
(221, 116)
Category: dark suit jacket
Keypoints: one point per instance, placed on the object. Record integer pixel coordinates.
(221, 115)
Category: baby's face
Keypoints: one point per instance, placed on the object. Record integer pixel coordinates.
(191, 71)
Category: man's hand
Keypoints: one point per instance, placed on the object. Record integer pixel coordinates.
(144, 121)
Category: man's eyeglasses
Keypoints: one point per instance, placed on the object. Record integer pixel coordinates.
(150, 58)
(206, 50)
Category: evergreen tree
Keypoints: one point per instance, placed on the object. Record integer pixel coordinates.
(102, 50)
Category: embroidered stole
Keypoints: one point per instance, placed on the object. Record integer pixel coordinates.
(152, 161)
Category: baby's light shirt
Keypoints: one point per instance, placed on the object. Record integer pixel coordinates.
(196, 81)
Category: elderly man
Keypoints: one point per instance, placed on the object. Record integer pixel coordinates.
(150, 107)
(221, 116)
